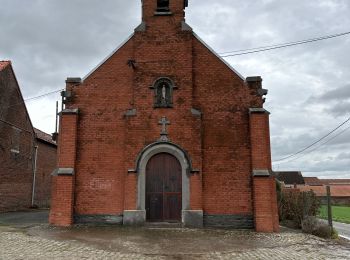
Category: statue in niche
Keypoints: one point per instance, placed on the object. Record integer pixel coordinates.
(163, 92)
(164, 102)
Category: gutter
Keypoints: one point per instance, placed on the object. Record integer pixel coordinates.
(34, 173)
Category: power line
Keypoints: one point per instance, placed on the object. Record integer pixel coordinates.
(34, 98)
(314, 143)
(43, 95)
(316, 148)
(239, 52)
(280, 46)
(286, 43)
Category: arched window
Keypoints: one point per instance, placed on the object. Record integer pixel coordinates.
(162, 5)
(163, 93)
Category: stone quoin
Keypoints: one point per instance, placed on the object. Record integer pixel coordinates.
(164, 130)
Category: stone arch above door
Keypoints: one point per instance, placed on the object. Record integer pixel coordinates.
(189, 218)
(146, 155)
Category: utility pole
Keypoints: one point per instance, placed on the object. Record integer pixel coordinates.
(329, 206)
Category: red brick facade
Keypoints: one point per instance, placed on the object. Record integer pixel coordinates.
(212, 127)
(18, 146)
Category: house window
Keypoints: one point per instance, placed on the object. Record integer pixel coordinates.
(162, 5)
(15, 140)
(163, 93)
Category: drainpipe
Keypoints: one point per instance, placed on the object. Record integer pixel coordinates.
(34, 173)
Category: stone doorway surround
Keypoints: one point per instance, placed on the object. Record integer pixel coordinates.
(190, 218)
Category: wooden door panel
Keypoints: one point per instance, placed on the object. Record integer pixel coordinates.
(172, 207)
(172, 176)
(154, 178)
(154, 206)
(163, 188)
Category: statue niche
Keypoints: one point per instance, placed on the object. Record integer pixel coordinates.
(163, 89)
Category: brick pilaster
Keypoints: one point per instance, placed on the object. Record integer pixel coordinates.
(264, 189)
(196, 191)
(62, 198)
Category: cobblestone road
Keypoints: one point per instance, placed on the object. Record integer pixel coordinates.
(42, 242)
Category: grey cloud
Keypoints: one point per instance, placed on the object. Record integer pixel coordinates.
(340, 93)
(335, 101)
(48, 40)
(341, 108)
(344, 156)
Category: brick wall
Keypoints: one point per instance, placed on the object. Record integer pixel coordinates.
(108, 143)
(46, 163)
(63, 183)
(16, 133)
(264, 185)
(265, 204)
(225, 100)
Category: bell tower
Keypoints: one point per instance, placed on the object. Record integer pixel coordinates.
(152, 9)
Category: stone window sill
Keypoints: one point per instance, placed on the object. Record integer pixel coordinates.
(160, 106)
(162, 13)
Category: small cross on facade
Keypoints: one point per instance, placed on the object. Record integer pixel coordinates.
(164, 133)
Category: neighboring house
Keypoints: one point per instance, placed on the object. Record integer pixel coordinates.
(46, 163)
(164, 130)
(17, 144)
(18, 147)
(340, 189)
(314, 181)
(290, 179)
(294, 181)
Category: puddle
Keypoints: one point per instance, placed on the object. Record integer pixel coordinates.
(155, 240)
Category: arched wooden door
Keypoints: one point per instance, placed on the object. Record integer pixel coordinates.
(163, 189)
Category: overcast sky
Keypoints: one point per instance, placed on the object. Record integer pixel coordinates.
(309, 85)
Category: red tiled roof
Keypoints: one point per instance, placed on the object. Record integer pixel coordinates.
(44, 136)
(335, 181)
(4, 64)
(317, 181)
(312, 181)
(320, 191)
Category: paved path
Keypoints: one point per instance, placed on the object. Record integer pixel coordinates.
(16, 244)
(343, 229)
(40, 241)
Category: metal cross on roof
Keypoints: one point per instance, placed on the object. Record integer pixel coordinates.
(164, 133)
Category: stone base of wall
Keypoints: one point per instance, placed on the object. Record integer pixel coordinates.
(134, 217)
(192, 218)
(229, 221)
(98, 219)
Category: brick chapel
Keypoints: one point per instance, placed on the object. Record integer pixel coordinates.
(164, 130)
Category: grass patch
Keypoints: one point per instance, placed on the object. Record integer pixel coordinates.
(340, 213)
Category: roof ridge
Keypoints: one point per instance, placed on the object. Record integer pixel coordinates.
(4, 64)
(46, 137)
